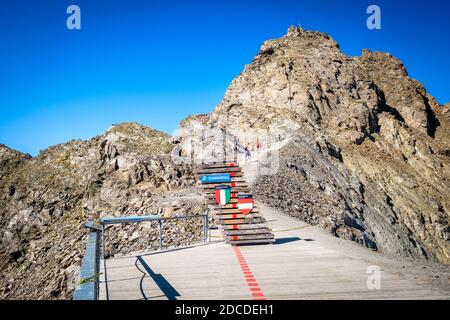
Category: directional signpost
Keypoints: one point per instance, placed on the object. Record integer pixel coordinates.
(216, 178)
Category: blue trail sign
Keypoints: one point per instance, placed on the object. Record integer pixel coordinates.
(216, 178)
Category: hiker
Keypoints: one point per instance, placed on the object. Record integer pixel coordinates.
(258, 145)
(247, 153)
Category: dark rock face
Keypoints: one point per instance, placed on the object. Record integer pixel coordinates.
(368, 158)
(46, 200)
(316, 188)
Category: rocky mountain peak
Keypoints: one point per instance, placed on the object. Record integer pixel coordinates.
(366, 139)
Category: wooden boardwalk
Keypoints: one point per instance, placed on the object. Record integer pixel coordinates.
(304, 263)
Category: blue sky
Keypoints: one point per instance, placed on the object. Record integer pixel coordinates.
(155, 62)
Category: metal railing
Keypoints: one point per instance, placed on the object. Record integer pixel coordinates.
(138, 219)
(88, 286)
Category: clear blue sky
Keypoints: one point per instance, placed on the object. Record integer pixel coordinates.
(156, 62)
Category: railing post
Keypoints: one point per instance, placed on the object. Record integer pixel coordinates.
(204, 230)
(103, 242)
(160, 235)
(207, 227)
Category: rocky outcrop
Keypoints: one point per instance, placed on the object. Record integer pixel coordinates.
(46, 200)
(9, 160)
(368, 154)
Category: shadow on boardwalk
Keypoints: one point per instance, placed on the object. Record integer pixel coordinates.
(167, 289)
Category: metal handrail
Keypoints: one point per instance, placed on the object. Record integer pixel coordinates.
(138, 219)
(88, 287)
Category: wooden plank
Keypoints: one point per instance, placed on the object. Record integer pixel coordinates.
(217, 210)
(233, 175)
(246, 231)
(250, 237)
(232, 221)
(219, 170)
(217, 165)
(213, 201)
(242, 221)
(243, 226)
(233, 190)
(236, 216)
(211, 196)
(256, 241)
(227, 206)
(232, 184)
(231, 211)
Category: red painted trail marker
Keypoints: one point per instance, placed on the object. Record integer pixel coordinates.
(252, 284)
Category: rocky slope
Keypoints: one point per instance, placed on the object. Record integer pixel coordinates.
(46, 200)
(368, 152)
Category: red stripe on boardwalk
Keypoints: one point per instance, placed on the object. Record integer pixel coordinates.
(252, 284)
